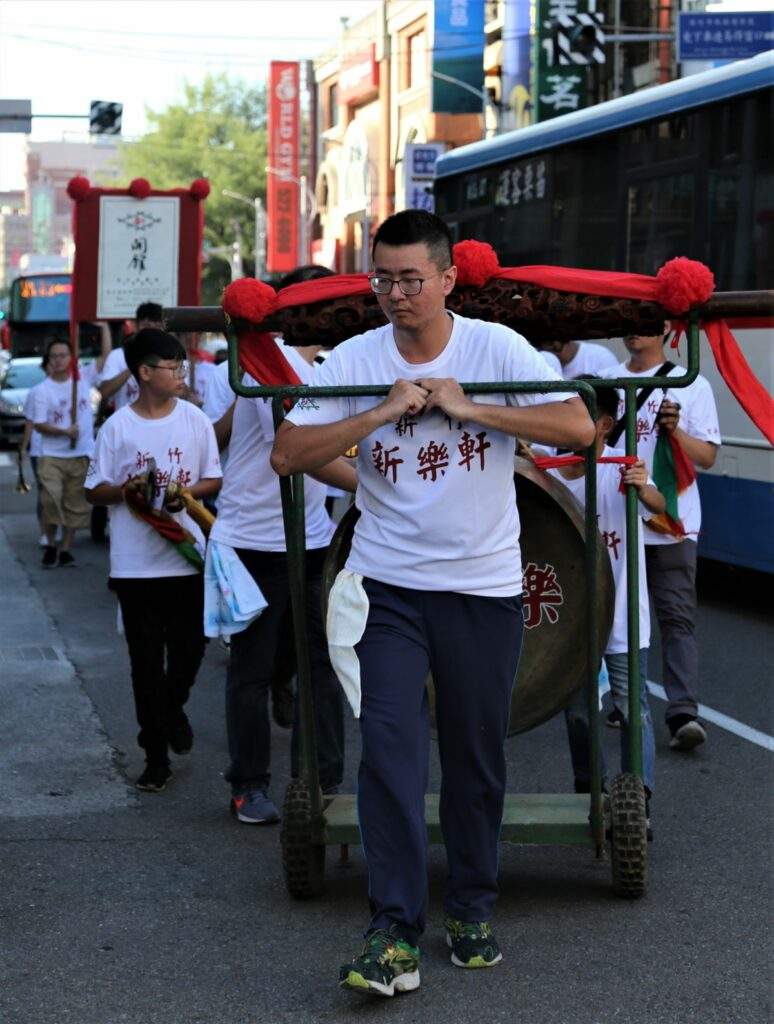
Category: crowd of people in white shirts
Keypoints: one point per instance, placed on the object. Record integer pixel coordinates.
(222, 448)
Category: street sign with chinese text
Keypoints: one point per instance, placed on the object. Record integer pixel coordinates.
(282, 189)
(732, 36)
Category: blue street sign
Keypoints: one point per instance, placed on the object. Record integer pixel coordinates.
(704, 36)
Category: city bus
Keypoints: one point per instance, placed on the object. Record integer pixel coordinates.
(39, 309)
(683, 169)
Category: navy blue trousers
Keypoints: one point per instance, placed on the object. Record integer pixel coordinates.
(471, 645)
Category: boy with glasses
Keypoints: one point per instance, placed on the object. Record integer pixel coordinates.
(433, 583)
(160, 592)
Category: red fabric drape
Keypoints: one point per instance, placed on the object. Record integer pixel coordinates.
(262, 357)
(742, 382)
(593, 282)
(323, 289)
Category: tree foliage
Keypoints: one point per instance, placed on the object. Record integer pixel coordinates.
(217, 131)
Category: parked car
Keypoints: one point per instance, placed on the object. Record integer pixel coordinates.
(17, 378)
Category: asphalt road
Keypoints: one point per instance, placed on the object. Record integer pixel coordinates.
(125, 907)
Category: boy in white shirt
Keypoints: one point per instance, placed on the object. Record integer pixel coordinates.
(160, 592)
(577, 358)
(690, 416)
(65, 449)
(611, 520)
(435, 577)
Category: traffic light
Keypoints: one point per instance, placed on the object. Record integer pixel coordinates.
(578, 39)
(105, 118)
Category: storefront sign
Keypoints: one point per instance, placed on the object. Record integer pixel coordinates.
(730, 36)
(139, 243)
(458, 54)
(359, 76)
(419, 161)
(282, 189)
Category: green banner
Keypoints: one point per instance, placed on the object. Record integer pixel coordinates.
(558, 89)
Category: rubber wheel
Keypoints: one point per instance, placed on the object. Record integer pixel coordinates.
(303, 861)
(98, 523)
(628, 836)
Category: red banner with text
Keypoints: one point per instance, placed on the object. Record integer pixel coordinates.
(282, 188)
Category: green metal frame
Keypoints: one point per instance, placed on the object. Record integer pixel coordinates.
(528, 818)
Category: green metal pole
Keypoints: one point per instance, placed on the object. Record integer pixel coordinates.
(633, 592)
(592, 631)
(294, 519)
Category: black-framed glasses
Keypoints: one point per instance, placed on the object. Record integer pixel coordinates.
(179, 370)
(383, 285)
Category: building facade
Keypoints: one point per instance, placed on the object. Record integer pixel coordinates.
(373, 104)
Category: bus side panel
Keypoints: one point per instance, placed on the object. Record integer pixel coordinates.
(736, 518)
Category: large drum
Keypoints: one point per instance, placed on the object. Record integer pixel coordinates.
(552, 668)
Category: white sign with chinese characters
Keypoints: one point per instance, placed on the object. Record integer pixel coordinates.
(419, 162)
(138, 253)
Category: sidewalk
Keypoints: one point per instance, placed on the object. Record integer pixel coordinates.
(54, 755)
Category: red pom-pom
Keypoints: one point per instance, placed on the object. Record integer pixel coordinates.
(140, 188)
(248, 299)
(78, 188)
(682, 283)
(475, 261)
(200, 188)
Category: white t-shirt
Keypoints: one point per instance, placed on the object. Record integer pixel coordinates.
(611, 521)
(51, 404)
(36, 438)
(552, 360)
(698, 417)
(218, 396)
(436, 495)
(589, 358)
(203, 371)
(249, 505)
(130, 390)
(183, 445)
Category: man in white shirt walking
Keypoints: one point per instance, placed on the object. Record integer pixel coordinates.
(434, 580)
(116, 381)
(65, 448)
(690, 416)
(577, 358)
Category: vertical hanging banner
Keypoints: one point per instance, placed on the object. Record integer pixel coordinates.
(458, 55)
(559, 88)
(282, 188)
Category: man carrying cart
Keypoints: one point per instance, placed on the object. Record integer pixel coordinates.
(433, 584)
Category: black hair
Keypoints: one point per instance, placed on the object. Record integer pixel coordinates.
(412, 226)
(50, 342)
(309, 272)
(149, 311)
(607, 398)
(149, 345)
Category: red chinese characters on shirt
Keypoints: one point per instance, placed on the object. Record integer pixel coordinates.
(612, 541)
(643, 428)
(405, 426)
(541, 596)
(175, 455)
(472, 449)
(142, 460)
(384, 460)
(183, 477)
(433, 459)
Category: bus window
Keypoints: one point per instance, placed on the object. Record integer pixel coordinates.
(659, 222)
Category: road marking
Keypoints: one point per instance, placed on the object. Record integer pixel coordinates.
(762, 739)
(5, 459)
